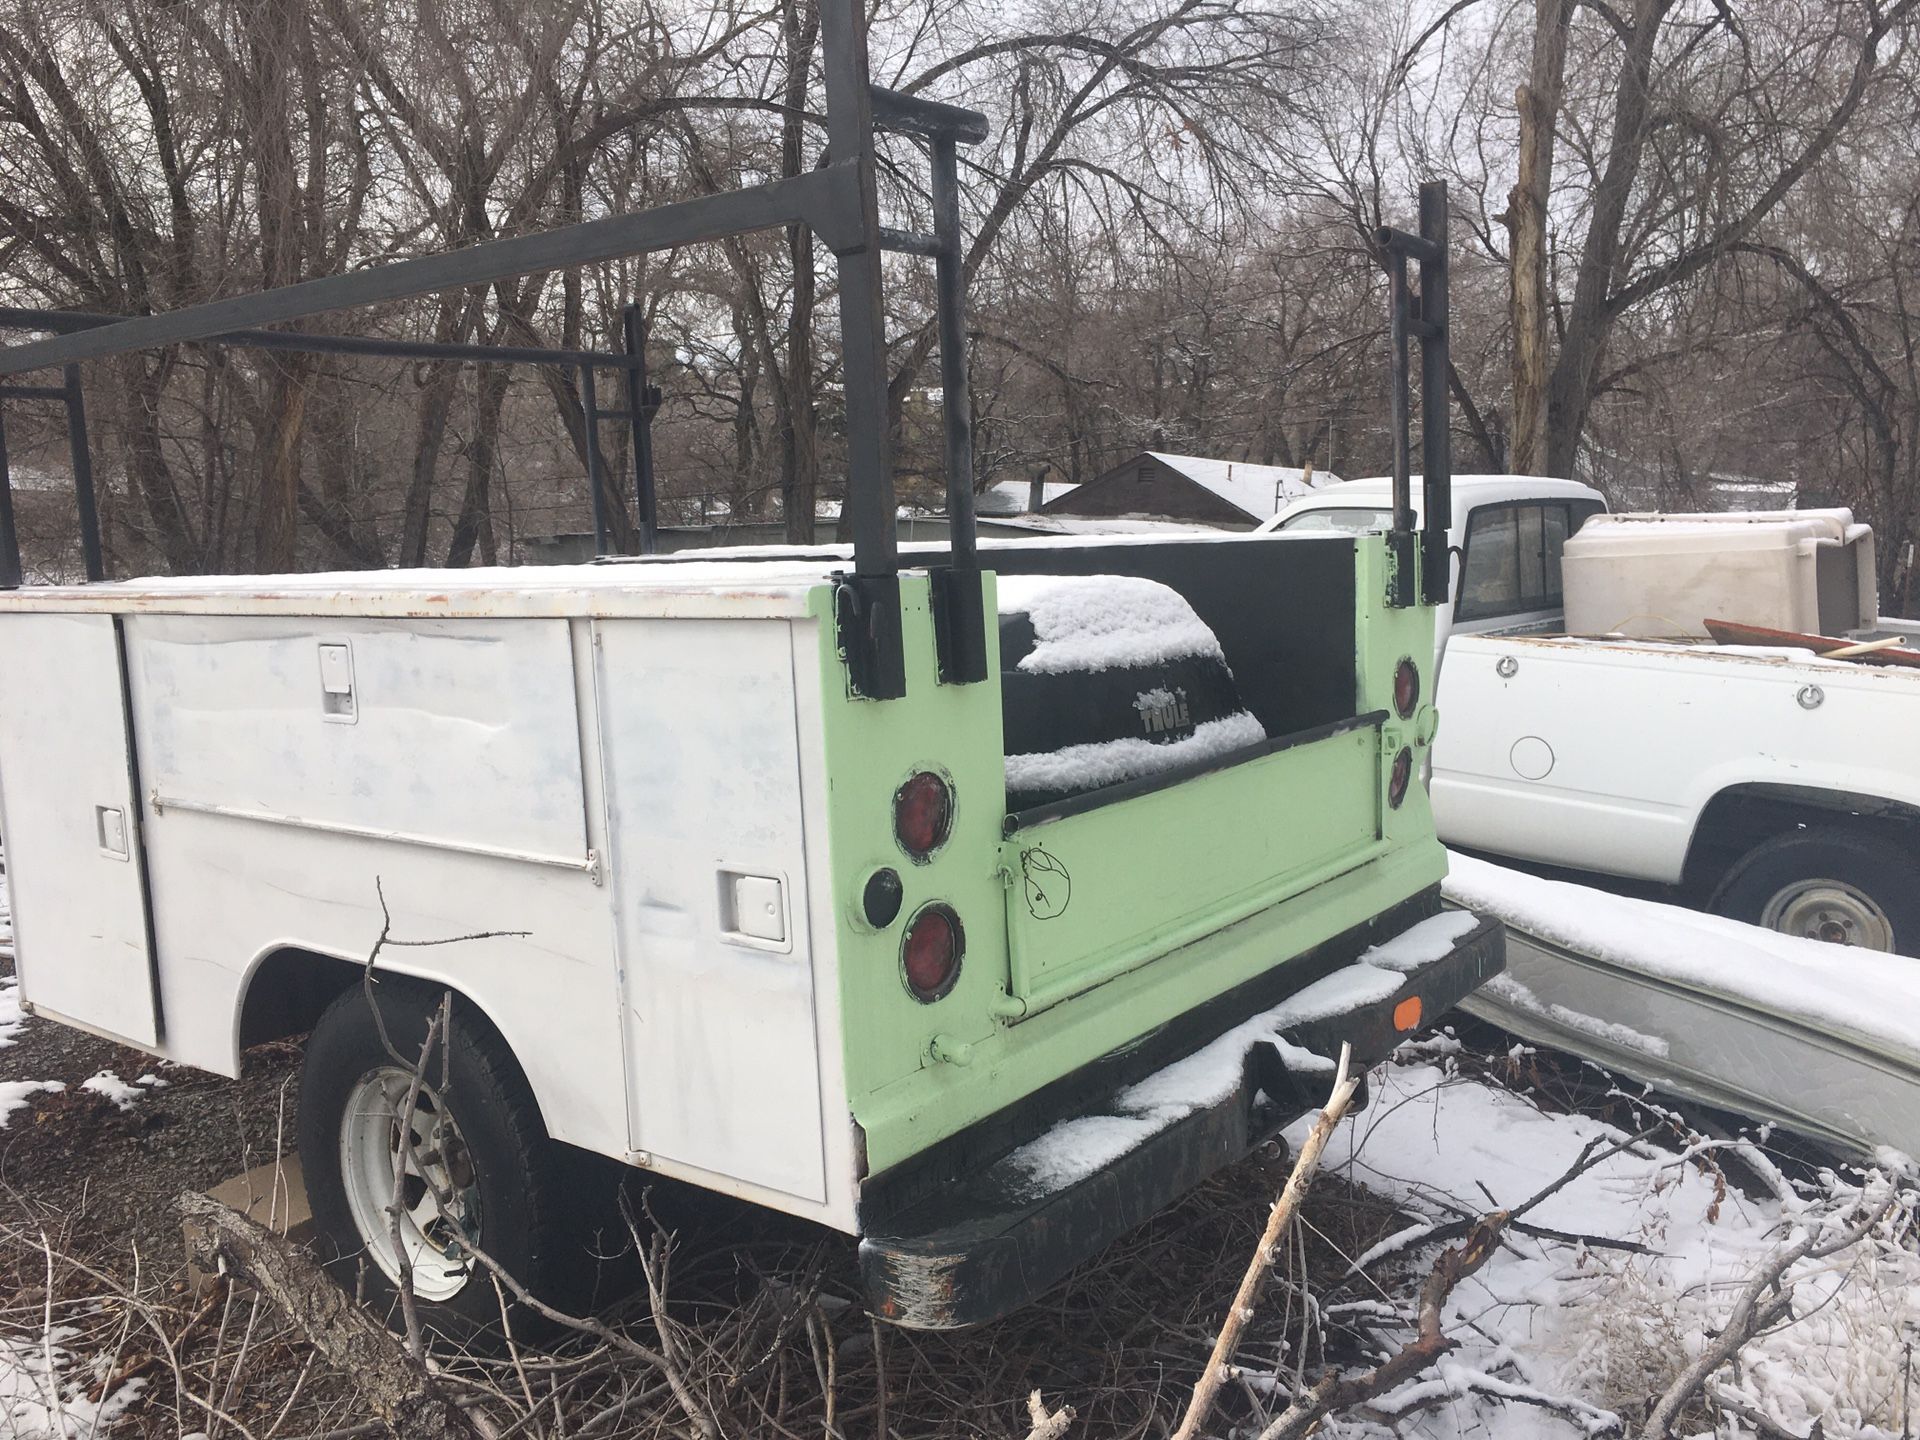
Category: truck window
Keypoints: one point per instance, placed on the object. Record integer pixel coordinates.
(1342, 520)
(1490, 574)
(1512, 563)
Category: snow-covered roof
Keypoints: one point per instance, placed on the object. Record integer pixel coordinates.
(1259, 490)
(1057, 523)
(1010, 497)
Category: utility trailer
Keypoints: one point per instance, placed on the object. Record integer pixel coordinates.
(748, 903)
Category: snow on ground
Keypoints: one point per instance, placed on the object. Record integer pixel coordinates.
(1851, 991)
(1608, 1328)
(121, 1092)
(14, 1095)
(12, 1017)
(6, 910)
(41, 1400)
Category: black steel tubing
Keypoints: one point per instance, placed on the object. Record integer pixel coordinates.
(902, 114)
(820, 198)
(1436, 441)
(83, 477)
(596, 484)
(956, 402)
(908, 242)
(1402, 442)
(66, 322)
(9, 536)
(639, 418)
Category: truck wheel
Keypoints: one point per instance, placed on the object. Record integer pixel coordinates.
(1828, 884)
(480, 1167)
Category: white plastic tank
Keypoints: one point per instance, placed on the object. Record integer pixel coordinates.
(1664, 576)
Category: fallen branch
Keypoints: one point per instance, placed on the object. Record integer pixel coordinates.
(1331, 1393)
(1219, 1364)
(1762, 1303)
(1047, 1426)
(397, 1387)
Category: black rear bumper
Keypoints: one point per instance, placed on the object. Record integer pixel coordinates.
(984, 1245)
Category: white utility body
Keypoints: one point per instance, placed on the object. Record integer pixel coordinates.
(540, 753)
(1772, 784)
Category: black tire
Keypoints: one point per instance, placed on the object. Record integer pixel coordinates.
(523, 1179)
(1874, 866)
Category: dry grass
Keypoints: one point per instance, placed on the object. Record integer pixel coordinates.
(767, 1326)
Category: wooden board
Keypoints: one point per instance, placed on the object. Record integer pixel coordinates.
(1732, 632)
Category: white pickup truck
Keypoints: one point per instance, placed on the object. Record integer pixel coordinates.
(1771, 785)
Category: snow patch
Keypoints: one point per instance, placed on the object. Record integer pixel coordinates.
(38, 1401)
(119, 1091)
(1421, 944)
(1848, 991)
(1600, 1330)
(1112, 762)
(1077, 1148)
(14, 1095)
(12, 1018)
(1104, 622)
(1509, 991)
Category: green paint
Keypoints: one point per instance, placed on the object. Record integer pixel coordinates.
(1169, 897)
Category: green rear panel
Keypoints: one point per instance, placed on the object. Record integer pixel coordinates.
(1102, 892)
(1171, 897)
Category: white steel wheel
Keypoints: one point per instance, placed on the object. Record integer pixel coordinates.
(1841, 884)
(1829, 910)
(439, 1186)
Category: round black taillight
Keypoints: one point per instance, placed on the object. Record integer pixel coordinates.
(880, 898)
(922, 814)
(930, 953)
(1406, 688)
(1401, 777)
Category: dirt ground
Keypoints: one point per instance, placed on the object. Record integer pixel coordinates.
(111, 1174)
(1125, 1335)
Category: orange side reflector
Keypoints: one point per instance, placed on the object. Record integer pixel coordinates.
(1406, 1015)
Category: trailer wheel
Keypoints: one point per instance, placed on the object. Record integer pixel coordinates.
(1830, 884)
(479, 1167)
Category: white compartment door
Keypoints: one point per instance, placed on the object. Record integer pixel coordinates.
(708, 869)
(71, 818)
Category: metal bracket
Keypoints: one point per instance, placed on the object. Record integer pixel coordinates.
(866, 612)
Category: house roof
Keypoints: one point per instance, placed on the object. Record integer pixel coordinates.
(1009, 497)
(1259, 490)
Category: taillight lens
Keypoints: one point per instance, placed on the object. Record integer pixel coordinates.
(922, 814)
(930, 953)
(1401, 777)
(1406, 688)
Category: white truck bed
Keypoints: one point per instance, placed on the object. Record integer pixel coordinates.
(1603, 754)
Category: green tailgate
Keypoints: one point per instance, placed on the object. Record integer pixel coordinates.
(1095, 894)
(1094, 922)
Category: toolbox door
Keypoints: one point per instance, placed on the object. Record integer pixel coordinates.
(708, 867)
(70, 817)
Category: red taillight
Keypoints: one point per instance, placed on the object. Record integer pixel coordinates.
(1406, 688)
(1401, 777)
(930, 953)
(922, 814)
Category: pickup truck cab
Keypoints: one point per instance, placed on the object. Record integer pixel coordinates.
(1504, 537)
(1769, 785)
